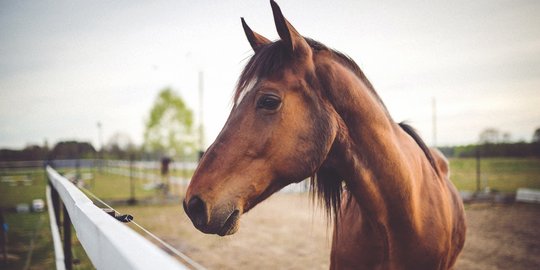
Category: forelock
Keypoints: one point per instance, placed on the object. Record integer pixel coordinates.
(270, 59)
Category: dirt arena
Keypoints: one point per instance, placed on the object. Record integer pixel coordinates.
(288, 232)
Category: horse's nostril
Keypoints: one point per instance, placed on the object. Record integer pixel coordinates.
(196, 210)
(185, 206)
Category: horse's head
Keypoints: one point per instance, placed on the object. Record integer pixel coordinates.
(278, 132)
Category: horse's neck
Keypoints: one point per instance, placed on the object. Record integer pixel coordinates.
(378, 161)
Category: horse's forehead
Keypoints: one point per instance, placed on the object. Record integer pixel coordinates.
(287, 78)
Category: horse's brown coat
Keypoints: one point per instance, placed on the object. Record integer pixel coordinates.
(400, 210)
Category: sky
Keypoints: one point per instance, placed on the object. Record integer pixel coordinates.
(67, 65)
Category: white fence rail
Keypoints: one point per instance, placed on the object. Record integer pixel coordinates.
(108, 243)
(528, 195)
(57, 240)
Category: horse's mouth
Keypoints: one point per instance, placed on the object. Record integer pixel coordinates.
(231, 224)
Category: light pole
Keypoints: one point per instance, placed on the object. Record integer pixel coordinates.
(100, 151)
(201, 104)
(434, 121)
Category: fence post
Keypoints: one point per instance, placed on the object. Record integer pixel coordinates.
(56, 204)
(3, 223)
(478, 169)
(132, 199)
(94, 171)
(66, 223)
(78, 170)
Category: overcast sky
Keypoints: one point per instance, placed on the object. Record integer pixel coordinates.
(66, 65)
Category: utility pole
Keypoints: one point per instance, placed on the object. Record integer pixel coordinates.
(201, 109)
(100, 151)
(434, 120)
(478, 172)
(132, 199)
(100, 136)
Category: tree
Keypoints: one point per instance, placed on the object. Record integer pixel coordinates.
(120, 146)
(536, 136)
(72, 150)
(30, 152)
(490, 135)
(169, 127)
(506, 137)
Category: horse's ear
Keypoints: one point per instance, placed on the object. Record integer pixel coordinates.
(255, 40)
(292, 39)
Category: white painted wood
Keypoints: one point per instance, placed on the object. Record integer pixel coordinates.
(528, 195)
(108, 243)
(57, 241)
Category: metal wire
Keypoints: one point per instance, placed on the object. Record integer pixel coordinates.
(175, 251)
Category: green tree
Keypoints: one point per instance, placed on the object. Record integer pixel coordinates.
(72, 150)
(536, 136)
(490, 135)
(120, 146)
(169, 127)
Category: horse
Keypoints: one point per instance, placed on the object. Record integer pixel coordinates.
(302, 110)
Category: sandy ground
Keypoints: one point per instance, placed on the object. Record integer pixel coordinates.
(288, 232)
(502, 237)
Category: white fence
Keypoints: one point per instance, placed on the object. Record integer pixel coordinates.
(528, 195)
(143, 170)
(57, 240)
(108, 243)
(146, 170)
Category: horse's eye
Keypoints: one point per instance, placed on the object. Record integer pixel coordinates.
(269, 102)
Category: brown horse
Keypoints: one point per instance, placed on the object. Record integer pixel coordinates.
(303, 110)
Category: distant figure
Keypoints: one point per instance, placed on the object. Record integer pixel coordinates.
(165, 161)
(165, 166)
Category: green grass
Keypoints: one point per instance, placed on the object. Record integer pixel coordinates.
(13, 189)
(110, 186)
(505, 175)
(115, 187)
(173, 172)
(23, 227)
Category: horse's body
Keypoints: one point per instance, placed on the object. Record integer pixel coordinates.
(359, 244)
(303, 110)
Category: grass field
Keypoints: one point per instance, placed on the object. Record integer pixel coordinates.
(505, 175)
(25, 228)
(116, 187)
(18, 186)
(29, 234)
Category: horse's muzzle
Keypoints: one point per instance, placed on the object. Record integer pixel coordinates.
(219, 220)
